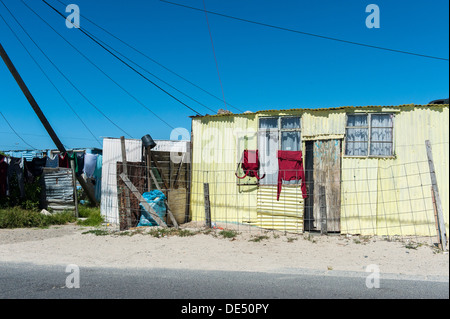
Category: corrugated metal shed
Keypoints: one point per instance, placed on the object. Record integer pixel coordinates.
(381, 196)
(112, 153)
(59, 189)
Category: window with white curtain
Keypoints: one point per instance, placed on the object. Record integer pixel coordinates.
(276, 133)
(369, 135)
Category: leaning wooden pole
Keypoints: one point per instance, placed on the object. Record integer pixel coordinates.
(437, 198)
(42, 117)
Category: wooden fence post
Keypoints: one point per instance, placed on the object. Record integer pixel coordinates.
(207, 205)
(437, 199)
(127, 191)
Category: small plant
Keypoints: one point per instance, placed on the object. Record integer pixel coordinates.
(228, 233)
(186, 233)
(258, 238)
(97, 232)
(291, 239)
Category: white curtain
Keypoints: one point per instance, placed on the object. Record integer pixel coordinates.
(381, 135)
(357, 137)
(268, 148)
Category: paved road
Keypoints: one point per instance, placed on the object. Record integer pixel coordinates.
(30, 281)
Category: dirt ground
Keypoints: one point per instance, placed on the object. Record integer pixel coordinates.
(251, 249)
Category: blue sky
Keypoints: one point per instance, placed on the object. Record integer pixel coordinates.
(260, 67)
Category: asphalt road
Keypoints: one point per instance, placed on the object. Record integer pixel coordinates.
(28, 281)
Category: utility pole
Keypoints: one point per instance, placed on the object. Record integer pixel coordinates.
(42, 117)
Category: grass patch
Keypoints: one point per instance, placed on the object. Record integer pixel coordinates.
(97, 232)
(257, 239)
(92, 215)
(17, 217)
(228, 233)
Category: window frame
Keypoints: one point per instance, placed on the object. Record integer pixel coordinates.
(279, 135)
(369, 134)
(281, 130)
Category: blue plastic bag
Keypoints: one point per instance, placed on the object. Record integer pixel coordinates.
(156, 200)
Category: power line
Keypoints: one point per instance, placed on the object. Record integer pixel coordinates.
(12, 129)
(124, 62)
(151, 59)
(48, 78)
(98, 68)
(214, 53)
(62, 73)
(307, 33)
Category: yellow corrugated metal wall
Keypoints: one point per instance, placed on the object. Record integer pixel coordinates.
(378, 196)
(218, 143)
(392, 196)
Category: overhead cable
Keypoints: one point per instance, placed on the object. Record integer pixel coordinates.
(307, 33)
(48, 78)
(63, 75)
(150, 58)
(125, 63)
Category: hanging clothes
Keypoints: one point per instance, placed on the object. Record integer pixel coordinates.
(16, 170)
(98, 177)
(290, 167)
(90, 162)
(80, 163)
(249, 164)
(3, 176)
(52, 161)
(38, 165)
(64, 160)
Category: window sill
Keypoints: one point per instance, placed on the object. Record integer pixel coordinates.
(371, 157)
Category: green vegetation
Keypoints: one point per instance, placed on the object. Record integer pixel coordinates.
(18, 217)
(228, 233)
(258, 238)
(92, 215)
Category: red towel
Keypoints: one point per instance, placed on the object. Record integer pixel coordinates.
(64, 161)
(290, 167)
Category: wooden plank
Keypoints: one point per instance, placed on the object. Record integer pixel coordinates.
(327, 173)
(436, 219)
(127, 192)
(323, 210)
(207, 205)
(440, 214)
(158, 167)
(142, 200)
(175, 184)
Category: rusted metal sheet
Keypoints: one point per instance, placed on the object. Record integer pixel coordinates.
(58, 189)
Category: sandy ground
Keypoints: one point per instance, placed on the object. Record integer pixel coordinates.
(274, 252)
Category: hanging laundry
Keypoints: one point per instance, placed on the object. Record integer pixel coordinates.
(16, 171)
(98, 177)
(35, 167)
(90, 162)
(3, 176)
(64, 160)
(80, 163)
(73, 159)
(52, 161)
(249, 164)
(290, 167)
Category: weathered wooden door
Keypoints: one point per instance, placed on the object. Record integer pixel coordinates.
(327, 185)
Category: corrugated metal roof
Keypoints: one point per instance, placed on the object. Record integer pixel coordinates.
(321, 109)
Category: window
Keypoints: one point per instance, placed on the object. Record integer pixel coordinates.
(276, 133)
(369, 135)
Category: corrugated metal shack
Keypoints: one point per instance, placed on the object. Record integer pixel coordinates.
(369, 163)
(59, 189)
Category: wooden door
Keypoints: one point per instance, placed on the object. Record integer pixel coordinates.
(327, 185)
